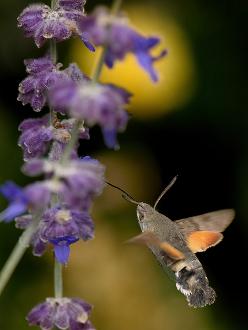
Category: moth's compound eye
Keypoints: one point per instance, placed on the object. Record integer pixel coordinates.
(140, 213)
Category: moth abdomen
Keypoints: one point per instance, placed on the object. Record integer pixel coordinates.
(201, 297)
(194, 285)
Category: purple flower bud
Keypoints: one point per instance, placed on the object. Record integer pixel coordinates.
(35, 137)
(42, 23)
(63, 313)
(42, 75)
(104, 29)
(95, 104)
(39, 65)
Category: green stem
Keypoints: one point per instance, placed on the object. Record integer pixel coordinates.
(99, 65)
(53, 4)
(58, 279)
(17, 253)
(53, 46)
(116, 7)
(53, 55)
(53, 51)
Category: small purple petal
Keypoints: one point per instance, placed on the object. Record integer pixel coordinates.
(42, 315)
(110, 138)
(61, 317)
(85, 38)
(10, 190)
(146, 62)
(39, 247)
(62, 253)
(13, 210)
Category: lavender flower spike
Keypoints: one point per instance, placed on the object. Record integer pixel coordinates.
(63, 313)
(104, 29)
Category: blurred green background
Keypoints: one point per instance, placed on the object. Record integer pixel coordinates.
(192, 123)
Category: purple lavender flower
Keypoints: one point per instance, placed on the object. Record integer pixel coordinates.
(37, 134)
(42, 23)
(42, 75)
(63, 313)
(35, 137)
(63, 227)
(35, 196)
(93, 103)
(104, 29)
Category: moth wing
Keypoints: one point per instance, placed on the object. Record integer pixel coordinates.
(216, 221)
(199, 241)
(149, 238)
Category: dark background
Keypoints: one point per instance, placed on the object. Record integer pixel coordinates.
(203, 140)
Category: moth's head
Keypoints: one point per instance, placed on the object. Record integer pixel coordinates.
(144, 211)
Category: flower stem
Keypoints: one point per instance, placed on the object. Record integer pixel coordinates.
(58, 279)
(53, 4)
(17, 253)
(53, 55)
(53, 46)
(116, 7)
(53, 51)
(100, 63)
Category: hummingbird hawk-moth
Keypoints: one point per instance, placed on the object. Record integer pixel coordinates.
(174, 244)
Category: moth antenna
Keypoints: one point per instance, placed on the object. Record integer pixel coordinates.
(125, 195)
(165, 191)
